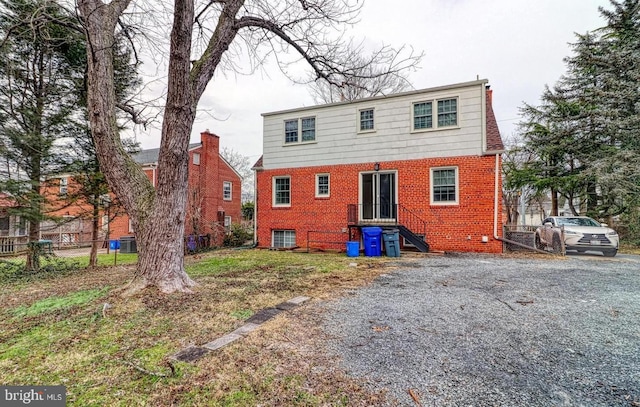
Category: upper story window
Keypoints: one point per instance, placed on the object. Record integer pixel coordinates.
(64, 185)
(447, 114)
(322, 185)
(309, 129)
(196, 158)
(291, 131)
(227, 187)
(444, 186)
(366, 120)
(300, 130)
(422, 115)
(282, 191)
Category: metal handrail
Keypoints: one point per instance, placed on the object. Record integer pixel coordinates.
(404, 217)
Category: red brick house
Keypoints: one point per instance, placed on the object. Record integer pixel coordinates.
(214, 201)
(426, 162)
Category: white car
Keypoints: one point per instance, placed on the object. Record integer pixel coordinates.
(581, 233)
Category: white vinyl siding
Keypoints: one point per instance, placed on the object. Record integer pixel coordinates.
(282, 191)
(394, 138)
(284, 238)
(322, 185)
(444, 186)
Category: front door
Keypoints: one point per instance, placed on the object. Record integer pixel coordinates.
(378, 196)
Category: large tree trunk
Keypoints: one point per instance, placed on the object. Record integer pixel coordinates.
(157, 216)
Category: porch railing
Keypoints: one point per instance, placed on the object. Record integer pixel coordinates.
(10, 245)
(359, 214)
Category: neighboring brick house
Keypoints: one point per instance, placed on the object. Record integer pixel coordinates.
(426, 162)
(214, 200)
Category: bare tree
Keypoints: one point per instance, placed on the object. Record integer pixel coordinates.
(242, 165)
(200, 42)
(364, 80)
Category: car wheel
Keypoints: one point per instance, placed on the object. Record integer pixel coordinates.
(610, 253)
(557, 245)
(537, 244)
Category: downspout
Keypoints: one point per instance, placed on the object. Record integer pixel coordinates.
(495, 215)
(255, 208)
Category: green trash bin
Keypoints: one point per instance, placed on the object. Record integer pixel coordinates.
(391, 239)
(128, 244)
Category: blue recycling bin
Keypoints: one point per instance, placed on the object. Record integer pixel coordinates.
(114, 244)
(353, 249)
(391, 242)
(372, 237)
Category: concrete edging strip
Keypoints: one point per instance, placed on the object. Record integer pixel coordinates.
(193, 353)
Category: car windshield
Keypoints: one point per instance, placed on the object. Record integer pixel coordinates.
(577, 222)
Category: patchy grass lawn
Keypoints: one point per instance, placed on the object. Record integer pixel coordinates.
(73, 328)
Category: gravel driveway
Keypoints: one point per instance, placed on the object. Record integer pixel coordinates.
(478, 330)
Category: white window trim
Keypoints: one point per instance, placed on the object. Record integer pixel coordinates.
(296, 143)
(196, 158)
(434, 114)
(227, 223)
(64, 185)
(273, 237)
(444, 203)
(273, 192)
(224, 184)
(359, 122)
(130, 226)
(328, 194)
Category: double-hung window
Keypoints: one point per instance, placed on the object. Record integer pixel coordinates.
(227, 187)
(422, 115)
(64, 185)
(322, 185)
(444, 186)
(308, 129)
(366, 120)
(446, 114)
(282, 191)
(291, 131)
(300, 130)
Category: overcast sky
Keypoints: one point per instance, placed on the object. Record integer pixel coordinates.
(518, 45)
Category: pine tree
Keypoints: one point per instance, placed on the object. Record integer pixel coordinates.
(39, 64)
